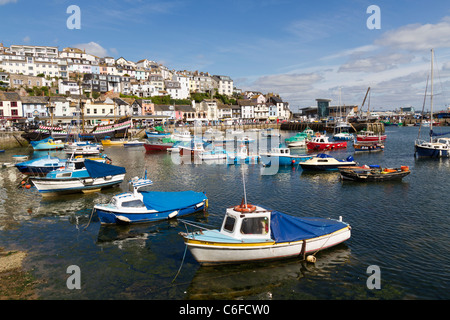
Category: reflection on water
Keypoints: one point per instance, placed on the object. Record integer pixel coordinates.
(261, 281)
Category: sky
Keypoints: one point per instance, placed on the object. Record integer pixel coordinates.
(301, 50)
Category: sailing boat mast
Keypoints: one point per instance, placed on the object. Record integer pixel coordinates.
(431, 97)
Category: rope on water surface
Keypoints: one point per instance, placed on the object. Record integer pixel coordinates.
(184, 255)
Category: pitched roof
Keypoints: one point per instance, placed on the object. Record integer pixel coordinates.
(35, 99)
(9, 96)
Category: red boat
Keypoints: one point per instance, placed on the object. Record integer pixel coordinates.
(158, 145)
(321, 142)
(370, 136)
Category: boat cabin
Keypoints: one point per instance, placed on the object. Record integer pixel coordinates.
(127, 200)
(247, 226)
(319, 139)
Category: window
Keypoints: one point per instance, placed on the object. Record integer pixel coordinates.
(14, 112)
(133, 204)
(229, 224)
(259, 225)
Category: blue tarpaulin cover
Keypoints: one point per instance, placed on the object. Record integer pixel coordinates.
(98, 169)
(163, 201)
(286, 228)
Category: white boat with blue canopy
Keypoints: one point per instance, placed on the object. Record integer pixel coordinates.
(149, 206)
(80, 175)
(253, 233)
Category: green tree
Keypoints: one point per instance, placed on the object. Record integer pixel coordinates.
(95, 94)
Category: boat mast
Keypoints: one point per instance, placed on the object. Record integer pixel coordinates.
(431, 97)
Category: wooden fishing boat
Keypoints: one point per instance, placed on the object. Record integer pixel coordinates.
(368, 147)
(254, 233)
(373, 173)
(370, 136)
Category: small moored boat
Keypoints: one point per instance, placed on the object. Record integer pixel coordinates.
(321, 142)
(254, 233)
(149, 206)
(282, 157)
(133, 143)
(370, 136)
(47, 144)
(373, 173)
(80, 175)
(325, 162)
(368, 147)
(40, 166)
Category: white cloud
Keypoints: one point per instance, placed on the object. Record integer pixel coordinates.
(376, 63)
(93, 48)
(2, 2)
(417, 37)
(285, 83)
(26, 39)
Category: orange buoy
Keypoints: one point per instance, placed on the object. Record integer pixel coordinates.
(246, 208)
(28, 186)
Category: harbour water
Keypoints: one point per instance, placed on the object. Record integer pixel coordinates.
(401, 227)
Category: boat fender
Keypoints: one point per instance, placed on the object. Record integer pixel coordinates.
(123, 219)
(311, 259)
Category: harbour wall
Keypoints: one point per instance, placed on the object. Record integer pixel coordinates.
(376, 127)
(10, 140)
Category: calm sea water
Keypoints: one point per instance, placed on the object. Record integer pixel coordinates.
(401, 227)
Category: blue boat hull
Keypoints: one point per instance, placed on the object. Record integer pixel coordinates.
(28, 170)
(431, 153)
(111, 217)
(283, 161)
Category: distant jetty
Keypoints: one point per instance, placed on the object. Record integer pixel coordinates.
(376, 127)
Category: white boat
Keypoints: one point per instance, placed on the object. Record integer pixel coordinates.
(149, 206)
(182, 136)
(214, 153)
(254, 233)
(325, 162)
(133, 143)
(82, 148)
(282, 157)
(79, 175)
(242, 156)
(19, 157)
(434, 147)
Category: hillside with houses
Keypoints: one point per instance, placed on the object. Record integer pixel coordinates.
(41, 82)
